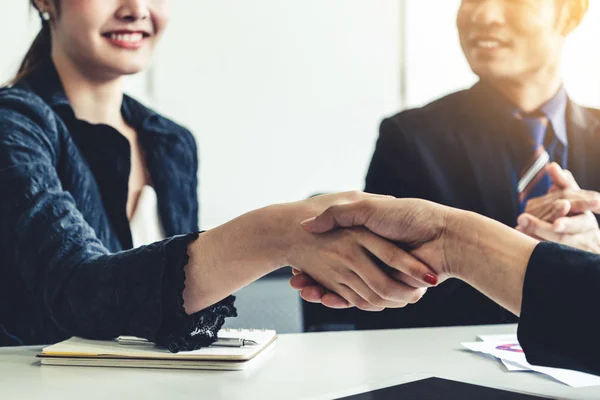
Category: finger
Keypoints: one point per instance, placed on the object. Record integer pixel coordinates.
(352, 296)
(404, 278)
(578, 224)
(301, 281)
(396, 258)
(561, 178)
(535, 227)
(584, 200)
(559, 209)
(373, 285)
(409, 295)
(554, 188)
(571, 178)
(333, 300)
(549, 207)
(316, 294)
(369, 299)
(312, 294)
(544, 206)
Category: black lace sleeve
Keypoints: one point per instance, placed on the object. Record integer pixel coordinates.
(179, 331)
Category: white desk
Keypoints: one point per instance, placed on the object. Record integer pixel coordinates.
(303, 366)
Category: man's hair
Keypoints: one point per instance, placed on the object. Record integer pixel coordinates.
(577, 9)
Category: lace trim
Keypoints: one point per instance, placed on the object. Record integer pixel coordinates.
(179, 331)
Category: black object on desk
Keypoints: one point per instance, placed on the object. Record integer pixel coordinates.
(440, 389)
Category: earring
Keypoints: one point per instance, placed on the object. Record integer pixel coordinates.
(46, 16)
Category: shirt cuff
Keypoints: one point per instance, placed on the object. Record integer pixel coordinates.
(179, 331)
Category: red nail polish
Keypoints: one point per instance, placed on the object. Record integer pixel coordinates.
(431, 279)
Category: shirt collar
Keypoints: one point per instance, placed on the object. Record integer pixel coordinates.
(45, 82)
(554, 109)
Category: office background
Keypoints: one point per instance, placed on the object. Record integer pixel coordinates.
(285, 97)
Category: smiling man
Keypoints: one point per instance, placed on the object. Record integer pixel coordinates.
(486, 149)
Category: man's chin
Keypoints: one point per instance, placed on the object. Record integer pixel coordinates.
(493, 72)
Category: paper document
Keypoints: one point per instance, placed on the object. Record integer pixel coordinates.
(507, 349)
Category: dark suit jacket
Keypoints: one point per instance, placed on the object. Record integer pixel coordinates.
(454, 151)
(559, 324)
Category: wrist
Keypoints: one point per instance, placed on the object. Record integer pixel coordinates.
(459, 237)
(275, 225)
(478, 246)
(253, 238)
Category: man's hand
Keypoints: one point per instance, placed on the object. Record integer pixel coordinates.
(565, 215)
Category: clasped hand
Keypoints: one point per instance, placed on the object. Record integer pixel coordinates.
(565, 215)
(354, 278)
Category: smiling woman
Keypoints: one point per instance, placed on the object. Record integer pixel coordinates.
(85, 30)
(86, 168)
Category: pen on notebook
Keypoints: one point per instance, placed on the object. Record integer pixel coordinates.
(233, 342)
(221, 342)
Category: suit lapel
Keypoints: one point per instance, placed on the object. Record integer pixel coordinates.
(484, 135)
(584, 146)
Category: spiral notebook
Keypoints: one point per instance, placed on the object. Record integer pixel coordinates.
(95, 353)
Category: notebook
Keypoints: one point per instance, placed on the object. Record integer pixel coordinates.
(84, 352)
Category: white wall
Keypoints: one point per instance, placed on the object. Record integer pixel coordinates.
(18, 27)
(284, 97)
(435, 65)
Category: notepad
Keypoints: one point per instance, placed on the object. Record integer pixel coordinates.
(84, 352)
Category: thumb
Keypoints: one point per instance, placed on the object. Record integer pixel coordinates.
(339, 216)
(561, 178)
(586, 201)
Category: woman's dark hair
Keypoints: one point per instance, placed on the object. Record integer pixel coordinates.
(39, 50)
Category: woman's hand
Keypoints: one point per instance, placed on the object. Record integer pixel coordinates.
(347, 262)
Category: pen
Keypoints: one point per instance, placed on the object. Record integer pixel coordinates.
(221, 342)
(233, 342)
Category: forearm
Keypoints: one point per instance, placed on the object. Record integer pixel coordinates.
(231, 256)
(493, 258)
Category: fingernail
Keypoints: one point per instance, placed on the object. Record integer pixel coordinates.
(523, 221)
(308, 221)
(431, 279)
(560, 227)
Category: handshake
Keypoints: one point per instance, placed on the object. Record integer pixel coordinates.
(423, 244)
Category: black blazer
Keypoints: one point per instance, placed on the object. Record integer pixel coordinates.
(559, 324)
(67, 267)
(455, 151)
